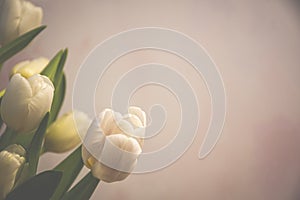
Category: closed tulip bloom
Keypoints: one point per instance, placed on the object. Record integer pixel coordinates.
(64, 134)
(26, 101)
(11, 160)
(17, 17)
(29, 68)
(113, 143)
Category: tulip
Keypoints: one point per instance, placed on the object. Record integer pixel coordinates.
(17, 17)
(29, 68)
(26, 101)
(64, 134)
(113, 143)
(11, 160)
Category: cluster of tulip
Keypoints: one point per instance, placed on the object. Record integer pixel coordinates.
(29, 125)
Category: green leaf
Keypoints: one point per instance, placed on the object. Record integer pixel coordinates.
(59, 95)
(39, 187)
(51, 68)
(24, 139)
(70, 167)
(2, 92)
(34, 150)
(1, 121)
(54, 71)
(22, 175)
(60, 67)
(13, 47)
(84, 189)
(7, 138)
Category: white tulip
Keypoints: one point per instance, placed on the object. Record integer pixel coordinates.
(29, 68)
(64, 134)
(17, 17)
(113, 144)
(11, 160)
(26, 101)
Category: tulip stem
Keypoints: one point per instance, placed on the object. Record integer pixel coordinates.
(6, 138)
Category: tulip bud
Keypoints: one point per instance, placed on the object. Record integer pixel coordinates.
(17, 17)
(28, 68)
(64, 134)
(113, 144)
(11, 160)
(26, 101)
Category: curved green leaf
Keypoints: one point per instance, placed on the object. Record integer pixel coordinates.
(39, 187)
(71, 166)
(1, 121)
(51, 68)
(34, 150)
(54, 71)
(60, 67)
(7, 138)
(24, 139)
(13, 47)
(2, 92)
(84, 189)
(59, 95)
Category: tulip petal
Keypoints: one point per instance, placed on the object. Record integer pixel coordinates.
(85, 154)
(9, 165)
(10, 13)
(139, 113)
(31, 17)
(42, 91)
(107, 174)
(64, 134)
(19, 66)
(133, 127)
(119, 152)
(29, 68)
(14, 108)
(93, 142)
(108, 121)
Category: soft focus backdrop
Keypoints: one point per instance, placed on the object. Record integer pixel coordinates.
(256, 46)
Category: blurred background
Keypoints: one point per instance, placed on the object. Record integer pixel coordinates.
(256, 46)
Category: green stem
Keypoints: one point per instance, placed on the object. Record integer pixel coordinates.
(83, 189)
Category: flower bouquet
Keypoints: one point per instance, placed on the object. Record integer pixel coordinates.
(30, 125)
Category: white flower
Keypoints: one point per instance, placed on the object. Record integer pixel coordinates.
(64, 134)
(17, 17)
(26, 101)
(28, 68)
(11, 159)
(113, 144)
